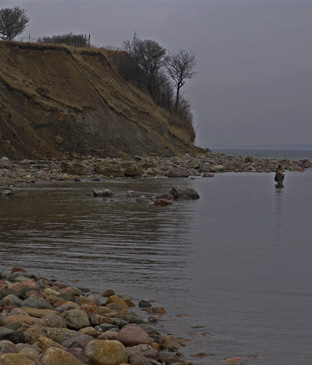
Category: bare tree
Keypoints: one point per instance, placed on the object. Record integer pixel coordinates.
(13, 21)
(149, 56)
(180, 66)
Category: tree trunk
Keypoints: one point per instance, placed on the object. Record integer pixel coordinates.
(176, 105)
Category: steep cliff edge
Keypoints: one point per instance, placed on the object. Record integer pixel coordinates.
(57, 99)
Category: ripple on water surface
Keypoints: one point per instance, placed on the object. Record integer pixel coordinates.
(236, 264)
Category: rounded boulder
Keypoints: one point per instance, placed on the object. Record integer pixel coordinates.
(106, 352)
(133, 336)
(76, 319)
(55, 356)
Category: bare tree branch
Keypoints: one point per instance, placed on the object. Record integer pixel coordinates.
(149, 55)
(13, 21)
(180, 66)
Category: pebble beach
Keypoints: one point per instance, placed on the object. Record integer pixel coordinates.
(45, 322)
(95, 169)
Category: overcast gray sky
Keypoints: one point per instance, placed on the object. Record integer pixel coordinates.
(254, 58)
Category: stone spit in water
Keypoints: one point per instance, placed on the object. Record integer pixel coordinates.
(70, 327)
(94, 168)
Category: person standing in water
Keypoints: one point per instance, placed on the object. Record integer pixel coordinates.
(279, 177)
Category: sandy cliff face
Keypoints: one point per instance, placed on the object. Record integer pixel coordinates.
(55, 99)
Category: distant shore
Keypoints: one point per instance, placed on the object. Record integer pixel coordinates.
(13, 173)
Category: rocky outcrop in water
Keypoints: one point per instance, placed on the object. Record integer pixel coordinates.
(182, 192)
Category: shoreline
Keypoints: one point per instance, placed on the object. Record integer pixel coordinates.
(32, 172)
(13, 173)
(45, 322)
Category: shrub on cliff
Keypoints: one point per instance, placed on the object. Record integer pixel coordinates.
(149, 58)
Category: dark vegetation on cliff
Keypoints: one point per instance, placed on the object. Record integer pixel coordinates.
(57, 100)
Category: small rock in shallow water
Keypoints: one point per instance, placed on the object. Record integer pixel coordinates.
(165, 196)
(144, 304)
(162, 202)
(102, 193)
(7, 193)
(157, 310)
(144, 200)
(108, 293)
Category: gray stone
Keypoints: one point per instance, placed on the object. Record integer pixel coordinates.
(176, 172)
(152, 331)
(132, 318)
(54, 320)
(20, 276)
(94, 299)
(144, 304)
(67, 306)
(105, 327)
(79, 354)
(7, 291)
(11, 335)
(136, 358)
(183, 190)
(59, 335)
(35, 302)
(7, 346)
(7, 193)
(80, 341)
(76, 319)
(102, 193)
(11, 300)
(120, 322)
(21, 346)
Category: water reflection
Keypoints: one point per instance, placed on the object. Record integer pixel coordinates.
(65, 232)
(278, 209)
(237, 261)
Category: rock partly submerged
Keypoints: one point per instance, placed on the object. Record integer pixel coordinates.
(183, 192)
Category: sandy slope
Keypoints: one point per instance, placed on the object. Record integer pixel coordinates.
(57, 99)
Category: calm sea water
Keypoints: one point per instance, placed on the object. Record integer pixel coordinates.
(272, 153)
(233, 269)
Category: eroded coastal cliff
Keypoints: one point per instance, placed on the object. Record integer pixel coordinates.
(57, 100)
